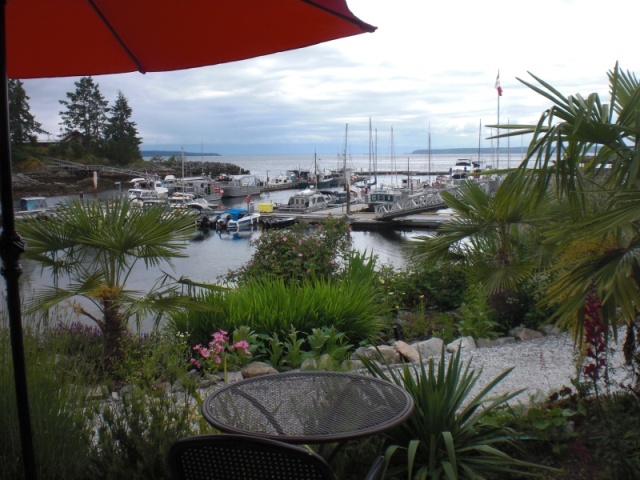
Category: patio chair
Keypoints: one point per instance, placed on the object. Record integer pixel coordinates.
(233, 457)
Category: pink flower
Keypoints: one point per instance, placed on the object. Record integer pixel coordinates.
(205, 353)
(244, 345)
(197, 347)
(220, 336)
(218, 360)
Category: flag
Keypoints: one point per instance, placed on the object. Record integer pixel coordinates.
(498, 87)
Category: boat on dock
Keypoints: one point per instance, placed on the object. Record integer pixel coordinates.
(199, 187)
(307, 200)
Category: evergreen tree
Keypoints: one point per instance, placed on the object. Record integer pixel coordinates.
(23, 125)
(86, 113)
(121, 134)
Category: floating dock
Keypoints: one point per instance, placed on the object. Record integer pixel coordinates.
(363, 220)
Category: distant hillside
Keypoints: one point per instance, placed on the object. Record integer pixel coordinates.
(169, 153)
(469, 151)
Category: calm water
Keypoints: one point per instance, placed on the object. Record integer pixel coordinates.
(212, 254)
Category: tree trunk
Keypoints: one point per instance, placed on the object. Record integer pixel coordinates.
(113, 335)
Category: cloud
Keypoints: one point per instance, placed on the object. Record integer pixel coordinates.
(430, 67)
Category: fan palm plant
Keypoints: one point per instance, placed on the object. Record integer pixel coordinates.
(585, 153)
(493, 236)
(91, 248)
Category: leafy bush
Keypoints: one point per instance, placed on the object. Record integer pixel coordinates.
(61, 432)
(157, 406)
(477, 317)
(434, 287)
(298, 253)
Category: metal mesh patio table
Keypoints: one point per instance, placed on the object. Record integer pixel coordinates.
(308, 407)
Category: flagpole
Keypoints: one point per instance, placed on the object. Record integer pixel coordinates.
(498, 139)
(499, 90)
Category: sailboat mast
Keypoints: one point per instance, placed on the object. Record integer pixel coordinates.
(182, 158)
(347, 182)
(315, 166)
(370, 146)
(393, 160)
(479, 140)
(429, 152)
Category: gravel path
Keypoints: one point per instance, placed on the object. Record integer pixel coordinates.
(541, 366)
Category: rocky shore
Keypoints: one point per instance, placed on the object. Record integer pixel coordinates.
(61, 183)
(48, 183)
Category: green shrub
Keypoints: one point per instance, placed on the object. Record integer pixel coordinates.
(157, 406)
(269, 306)
(298, 253)
(446, 436)
(60, 424)
(438, 287)
(477, 317)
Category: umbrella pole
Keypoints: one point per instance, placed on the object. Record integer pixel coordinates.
(11, 248)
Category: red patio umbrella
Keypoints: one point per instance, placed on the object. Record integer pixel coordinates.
(58, 38)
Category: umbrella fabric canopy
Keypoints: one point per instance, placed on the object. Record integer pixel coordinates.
(61, 38)
(58, 38)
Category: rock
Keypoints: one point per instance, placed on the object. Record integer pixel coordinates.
(466, 343)
(255, 369)
(387, 353)
(309, 364)
(550, 330)
(430, 348)
(325, 362)
(489, 342)
(406, 351)
(523, 333)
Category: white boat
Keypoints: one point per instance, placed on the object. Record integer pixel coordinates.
(236, 218)
(33, 207)
(308, 200)
(139, 195)
(463, 167)
(386, 196)
(147, 189)
(198, 187)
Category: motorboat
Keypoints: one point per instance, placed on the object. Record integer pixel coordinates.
(269, 223)
(137, 196)
(386, 196)
(238, 185)
(463, 167)
(198, 187)
(340, 197)
(308, 200)
(144, 189)
(235, 218)
(33, 207)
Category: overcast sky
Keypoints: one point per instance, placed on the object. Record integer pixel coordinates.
(430, 67)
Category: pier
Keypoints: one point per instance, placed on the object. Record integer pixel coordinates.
(418, 211)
